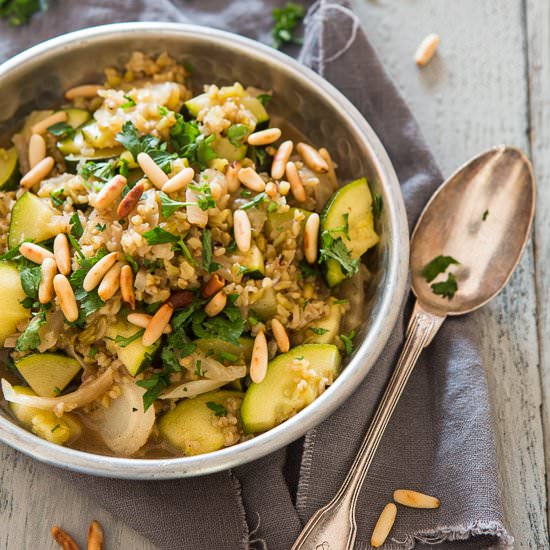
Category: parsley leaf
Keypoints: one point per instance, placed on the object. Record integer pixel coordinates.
(158, 235)
(130, 102)
(257, 200)
(154, 386)
(30, 280)
(133, 264)
(264, 99)
(261, 158)
(318, 330)
(485, 214)
(286, 19)
(13, 252)
(236, 134)
(307, 269)
(446, 289)
(103, 171)
(57, 197)
(188, 141)
(436, 266)
(207, 262)
(61, 130)
(219, 410)
(204, 195)
(226, 357)
(76, 226)
(177, 347)
(89, 301)
(168, 205)
(18, 12)
(347, 340)
(30, 337)
(124, 341)
(336, 250)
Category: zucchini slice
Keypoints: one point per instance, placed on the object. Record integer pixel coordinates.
(77, 117)
(9, 169)
(254, 105)
(47, 374)
(326, 329)
(265, 307)
(97, 137)
(216, 348)
(353, 201)
(279, 221)
(226, 150)
(32, 219)
(191, 426)
(252, 263)
(196, 104)
(11, 295)
(281, 395)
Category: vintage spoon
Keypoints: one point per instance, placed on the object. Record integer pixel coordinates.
(481, 216)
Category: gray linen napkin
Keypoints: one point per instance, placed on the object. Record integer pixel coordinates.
(439, 441)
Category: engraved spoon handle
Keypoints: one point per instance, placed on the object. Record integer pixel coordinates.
(333, 527)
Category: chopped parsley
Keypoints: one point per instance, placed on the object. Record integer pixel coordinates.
(236, 134)
(446, 289)
(57, 197)
(336, 250)
(204, 195)
(130, 102)
(30, 281)
(347, 340)
(207, 262)
(133, 264)
(76, 226)
(318, 330)
(101, 227)
(219, 410)
(226, 357)
(61, 130)
(157, 235)
(163, 111)
(30, 337)
(13, 252)
(154, 385)
(57, 391)
(377, 205)
(344, 228)
(306, 269)
(256, 201)
(89, 301)
(56, 427)
(168, 205)
(93, 351)
(485, 214)
(436, 266)
(264, 99)
(103, 171)
(187, 140)
(123, 341)
(198, 369)
(286, 20)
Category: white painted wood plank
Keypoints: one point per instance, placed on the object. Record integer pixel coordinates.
(474, 95)
(538, 49)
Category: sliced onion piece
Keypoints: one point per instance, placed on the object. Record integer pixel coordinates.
(86, 393)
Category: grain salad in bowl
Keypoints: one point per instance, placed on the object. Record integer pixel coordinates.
(180, 271)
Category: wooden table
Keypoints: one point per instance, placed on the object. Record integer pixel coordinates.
(489, 84)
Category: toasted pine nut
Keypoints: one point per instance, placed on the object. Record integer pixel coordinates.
(152, 170)
(195, 214)
(295, 181)
(426, 49)
(311, 157)
(264, 137)
(181, 298)
(383, 525)
(95, 536)
(129, 202)
(251, 179)
(259, 360)
(62, 253)
(85, 90)
(284, 187)
(242, 230)
(142, 320)
(281, 158)
(110, 283)
(48, 270)
(280, 334)
(413, 499)
(331, 174)
(37, 173)
(127, 286)
(159, 321)
(231, 176)
(311, 237)
(111, 190)
(42, 126)
(214, 284)
(37, 150)
(216, 304)
(34, 252)
(63, 539)
(97, 272)
(216, 190)
(179, 181)
(271, 189)
(65, 295)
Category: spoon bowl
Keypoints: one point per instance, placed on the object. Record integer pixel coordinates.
(481, 217)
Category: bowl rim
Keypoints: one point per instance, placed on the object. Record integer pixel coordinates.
(362, 360)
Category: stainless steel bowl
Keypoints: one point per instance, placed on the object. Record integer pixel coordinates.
(36, 79)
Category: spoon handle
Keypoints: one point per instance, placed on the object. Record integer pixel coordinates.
(333, 527)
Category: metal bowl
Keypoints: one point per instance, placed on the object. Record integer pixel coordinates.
(36, 78)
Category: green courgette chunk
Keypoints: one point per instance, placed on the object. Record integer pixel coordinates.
(9, 169)
(11, 295)
(293, 380)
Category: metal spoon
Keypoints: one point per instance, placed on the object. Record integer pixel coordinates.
(481, 216)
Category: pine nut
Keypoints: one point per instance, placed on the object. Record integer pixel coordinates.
(295, 182)
(34, 252)
(284, 187)
(426, 49)
(155, 328)
(214, 284)
(48, 270)
(281, 158)
(65, 295)
(152, 170)
(311, 237)
(413, 499)
(280, 334)
(311, 157)
(63, 539)
(86, 91)
(242, 230)
(181, 298)
(129, 202)
(110, 283)
(142, 320)
(127, 286)
(383, 525)
(37, 150)
(216, 304)
(259, 360)
(195, 214)
(216, 190)
(179, 181)
(264, 137)
(231, 176)
(62, 253)
(271, 189)
(331, 174)
(251, 179)
(42, 126)
(95, 536)
(111, 190)
(97, 272)
(37, 173)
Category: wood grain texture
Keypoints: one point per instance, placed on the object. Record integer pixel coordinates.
(473, 95)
